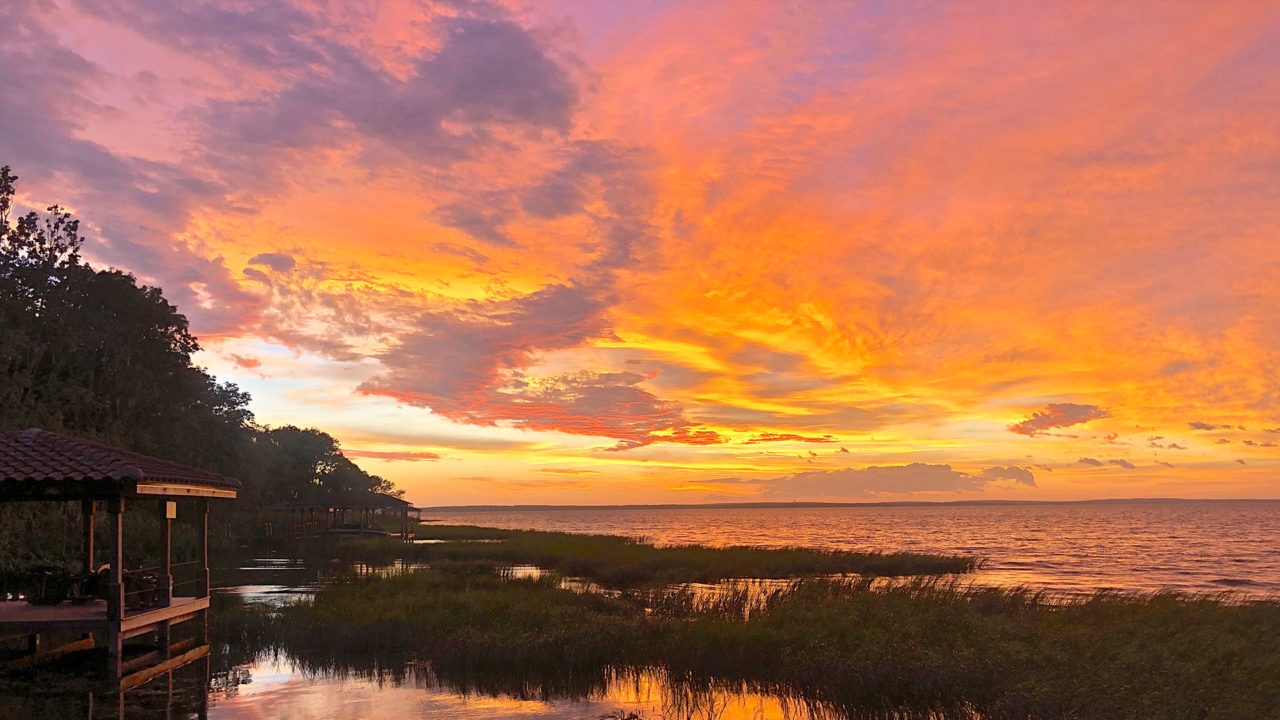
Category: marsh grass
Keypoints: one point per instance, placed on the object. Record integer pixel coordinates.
(908, 648)
(620, 562)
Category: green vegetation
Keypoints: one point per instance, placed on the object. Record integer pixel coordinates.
(861, 649)
(462, 532)
(620, 562)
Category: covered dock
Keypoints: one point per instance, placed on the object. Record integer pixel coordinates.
(329, 514)
(40, 466)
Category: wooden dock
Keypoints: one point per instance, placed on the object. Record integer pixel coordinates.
(18, 617)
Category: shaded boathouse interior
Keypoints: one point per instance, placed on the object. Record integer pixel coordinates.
(144, 621)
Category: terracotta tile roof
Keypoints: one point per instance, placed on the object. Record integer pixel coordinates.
(38, 456)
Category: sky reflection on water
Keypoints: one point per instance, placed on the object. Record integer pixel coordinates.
(278, 691)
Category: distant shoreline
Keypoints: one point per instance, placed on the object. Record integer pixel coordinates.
(776, 505)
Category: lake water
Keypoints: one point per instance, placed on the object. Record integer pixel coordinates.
(1138, 546)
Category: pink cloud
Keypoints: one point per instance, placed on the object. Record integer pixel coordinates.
(247, 363)
(409, 456)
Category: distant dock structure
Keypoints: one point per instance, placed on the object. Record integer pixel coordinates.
(348, 514)
(44, 467)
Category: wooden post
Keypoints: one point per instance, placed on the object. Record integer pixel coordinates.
(163, 635)
(202, 590)
(166, 542)
(86, 535)
(115, 589)
(202, 513)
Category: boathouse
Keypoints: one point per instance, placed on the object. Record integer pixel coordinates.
(332, 514)
(40, 466)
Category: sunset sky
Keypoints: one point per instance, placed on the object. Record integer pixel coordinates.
(655, 251)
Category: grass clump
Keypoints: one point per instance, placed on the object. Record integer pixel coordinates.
(1008, 653)
(620, 562)
(474, 629)
(462, 532)
(906, 649)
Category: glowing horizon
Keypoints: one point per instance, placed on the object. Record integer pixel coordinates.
(570, 252)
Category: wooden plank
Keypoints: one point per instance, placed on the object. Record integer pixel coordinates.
(21, 618)
(182, 645)
(156, 655)
(177, 490)
(51, 653)
(141, 661)
(154, 627)
(129, 682)
(181, 606)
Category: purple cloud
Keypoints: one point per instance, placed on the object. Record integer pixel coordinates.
(279, 262)
(892, 479)
(1016, 474)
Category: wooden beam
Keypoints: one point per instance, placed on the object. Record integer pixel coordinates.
(132, 681)
(36, 658)
(158, 654)
(182, 490)
(146, 621)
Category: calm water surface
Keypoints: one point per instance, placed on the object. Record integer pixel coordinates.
(280, 692)
(1141, 546)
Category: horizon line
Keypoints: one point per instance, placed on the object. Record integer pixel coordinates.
(822, 504)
